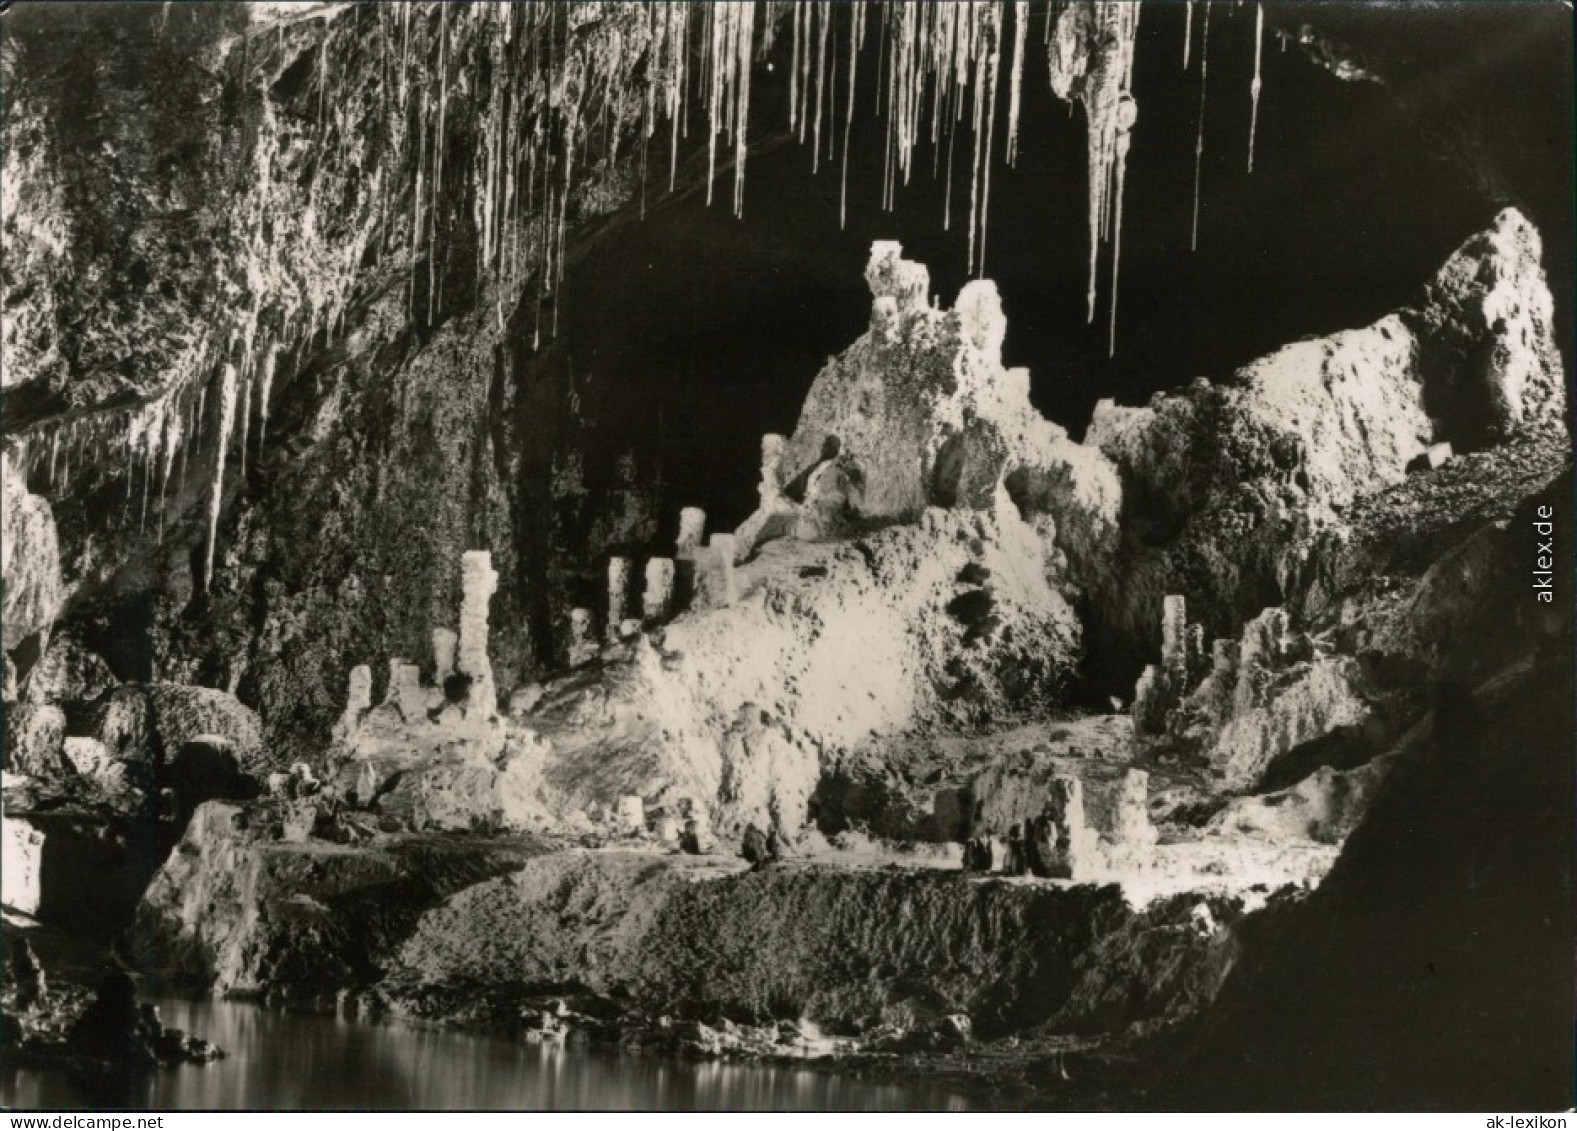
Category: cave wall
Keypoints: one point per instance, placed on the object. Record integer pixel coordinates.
(281, 326)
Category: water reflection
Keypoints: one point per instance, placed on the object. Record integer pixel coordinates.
(279, 1060)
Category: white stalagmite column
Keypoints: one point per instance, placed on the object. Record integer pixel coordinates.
(21, 866)
(444, 643)
(771, 488)
(405, 689)
(1174, 641)
(582, 640)
(358, 699)
(478, 581)
(618, 594)
(1148, 708)
(657, 601)
(692, 528)
(1131, 825)
(1072, 851)
(723, 548)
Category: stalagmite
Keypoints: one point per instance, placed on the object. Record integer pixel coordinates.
(478, 580)
(227, 393)
(618, 594)
(1174, 641)
(631, 817)
(1148, 707)
(358, 698)
(404, 692)
(771, 486)
(444, 644)
(1198, 653)
(1254, 87)
(723, 548)
(1133, 835)
(582, 638)
(658, 597)
(692, 527)
(1065, 841)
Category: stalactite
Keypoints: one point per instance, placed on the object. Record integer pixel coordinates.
(992, 65)
(1254, 87)
(1016, 84)
(1188, 30)
(856, 44)
(417, 199)
(145, 437)
(245, 399)
(434, 276)
(744, 31)
(1199, 139)
(265, 386)
(558, 73)
(173, 418)
(824, 11)
(1091, 58)
(1128, 111)
(227, 394)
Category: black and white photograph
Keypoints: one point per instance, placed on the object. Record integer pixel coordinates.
(884, 556)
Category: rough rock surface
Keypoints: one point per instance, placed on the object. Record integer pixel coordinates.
(737, 706)
(1325, 806)
(851, 950)
(238, 908)
(1228, 489)
(30, 550)
(67, 670)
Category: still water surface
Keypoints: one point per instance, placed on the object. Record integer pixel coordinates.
(292, 1061)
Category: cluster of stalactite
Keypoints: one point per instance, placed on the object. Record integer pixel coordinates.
(547, 95)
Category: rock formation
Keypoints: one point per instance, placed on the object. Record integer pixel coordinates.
(618, 594)
(923, 518)
(283, 349)
(477, 582)
(657, 598)
(1237, 487)
(31, 555)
